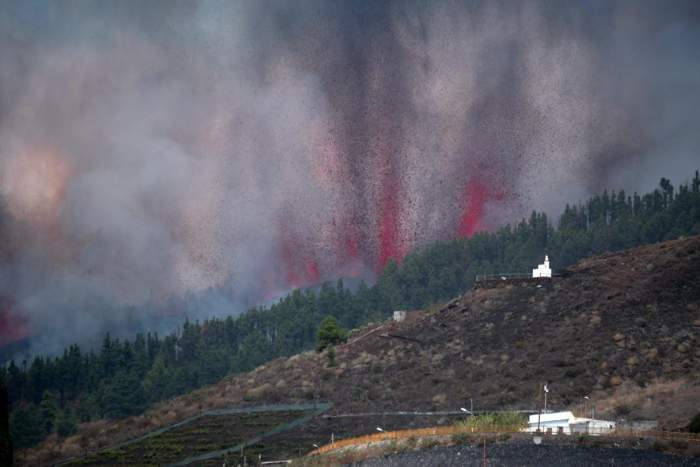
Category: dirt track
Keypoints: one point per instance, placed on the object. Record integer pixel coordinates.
(527, 454)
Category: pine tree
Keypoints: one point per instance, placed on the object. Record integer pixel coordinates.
(124, 396)
(5, 440)
(48, 410)
(66, 423)
(26, 425)
(329, 334)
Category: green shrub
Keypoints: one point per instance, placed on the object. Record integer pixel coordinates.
(496, 421)
(110, 454)
(331, 356)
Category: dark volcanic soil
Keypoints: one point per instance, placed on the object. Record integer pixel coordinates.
(619, 320)
(527, 454)
(622, 328)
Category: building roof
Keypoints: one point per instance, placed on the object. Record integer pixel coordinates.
(567, 417)
(552, 417)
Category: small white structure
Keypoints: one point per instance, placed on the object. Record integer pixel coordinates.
(543, 269)
(567, 423)
(592, 426)
(399, 315)
(552, 421)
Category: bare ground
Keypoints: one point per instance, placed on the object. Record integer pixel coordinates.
(622, 328)
(527, 454)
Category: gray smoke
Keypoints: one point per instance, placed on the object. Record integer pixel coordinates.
(151, 150)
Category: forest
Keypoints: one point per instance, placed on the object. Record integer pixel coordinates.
(124, 377)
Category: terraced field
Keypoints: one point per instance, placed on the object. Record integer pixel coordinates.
(264, 451)
(201, 436)
(301, 439)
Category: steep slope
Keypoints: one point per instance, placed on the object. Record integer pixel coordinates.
(622, 328)
(629, 318)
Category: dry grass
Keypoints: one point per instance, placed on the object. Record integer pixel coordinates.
(672, 402)
(258, 393)
(493, 422)
(356, 454)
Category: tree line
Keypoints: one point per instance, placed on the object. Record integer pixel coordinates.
(123, 377)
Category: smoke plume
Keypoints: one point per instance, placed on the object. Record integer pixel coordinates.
(151, 150)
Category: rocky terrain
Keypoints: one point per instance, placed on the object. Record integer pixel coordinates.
(621, 328)
(525, 453)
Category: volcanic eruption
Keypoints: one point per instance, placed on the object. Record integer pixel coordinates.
(151, 151)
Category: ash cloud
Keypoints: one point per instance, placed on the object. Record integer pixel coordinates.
(151, 151)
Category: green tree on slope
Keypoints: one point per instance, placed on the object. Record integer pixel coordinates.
(329, 333)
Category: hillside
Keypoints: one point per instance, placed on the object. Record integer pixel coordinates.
(123, 377)
(622, 328)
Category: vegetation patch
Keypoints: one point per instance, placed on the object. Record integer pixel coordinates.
(202, 435)
(496, 421)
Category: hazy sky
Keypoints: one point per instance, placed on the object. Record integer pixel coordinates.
(155, 148)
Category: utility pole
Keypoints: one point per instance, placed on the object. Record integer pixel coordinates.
(539, 412)
(546, 391)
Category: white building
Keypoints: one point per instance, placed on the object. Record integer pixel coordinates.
(567, 423)
(399, 315)
(543, 270)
